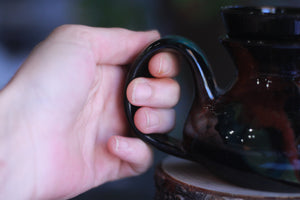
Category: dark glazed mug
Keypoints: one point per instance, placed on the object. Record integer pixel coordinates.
(255, 126)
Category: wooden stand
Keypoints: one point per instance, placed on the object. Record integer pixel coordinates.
(185, 180)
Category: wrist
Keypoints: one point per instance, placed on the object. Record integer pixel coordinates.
(15, 166)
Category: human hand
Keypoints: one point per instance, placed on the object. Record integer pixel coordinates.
(63, 128)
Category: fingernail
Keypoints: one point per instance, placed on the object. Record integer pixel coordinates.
(152, 120)
(161, 60)
(121, 144)
(164, 61)
(141, 91)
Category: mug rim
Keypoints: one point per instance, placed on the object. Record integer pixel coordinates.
(290, 44)
(264, 22)
(267, 10)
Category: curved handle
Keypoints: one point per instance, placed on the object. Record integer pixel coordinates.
(205, 87)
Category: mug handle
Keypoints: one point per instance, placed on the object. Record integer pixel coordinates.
(205, 87)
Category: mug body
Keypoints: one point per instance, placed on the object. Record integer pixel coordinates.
(255, 126)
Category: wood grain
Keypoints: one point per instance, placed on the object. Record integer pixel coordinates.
(185, 180)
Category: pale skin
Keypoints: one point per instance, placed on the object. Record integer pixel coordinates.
(63, 127)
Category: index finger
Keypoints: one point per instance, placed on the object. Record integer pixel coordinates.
(111, 46)
(164, 65)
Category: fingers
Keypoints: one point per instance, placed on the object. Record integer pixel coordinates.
(136, 156)
(159, 93)
(111, 46)
(163, 92)
(164, 65)
(150, 120)
(156, 95)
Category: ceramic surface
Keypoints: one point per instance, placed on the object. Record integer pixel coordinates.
(254, 126)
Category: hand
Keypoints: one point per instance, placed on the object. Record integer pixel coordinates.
(63, 128)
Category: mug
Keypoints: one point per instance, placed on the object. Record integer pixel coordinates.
(254, 127)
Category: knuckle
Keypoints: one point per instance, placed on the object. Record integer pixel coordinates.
(73, 33)
(63, 29)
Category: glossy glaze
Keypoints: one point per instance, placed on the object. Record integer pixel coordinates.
(265, 22)
(255, 126)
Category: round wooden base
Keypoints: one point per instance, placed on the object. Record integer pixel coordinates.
(185, 180)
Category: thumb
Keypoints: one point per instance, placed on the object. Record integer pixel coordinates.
(136, 156)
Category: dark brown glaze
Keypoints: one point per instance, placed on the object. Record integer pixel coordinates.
(255, 125)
